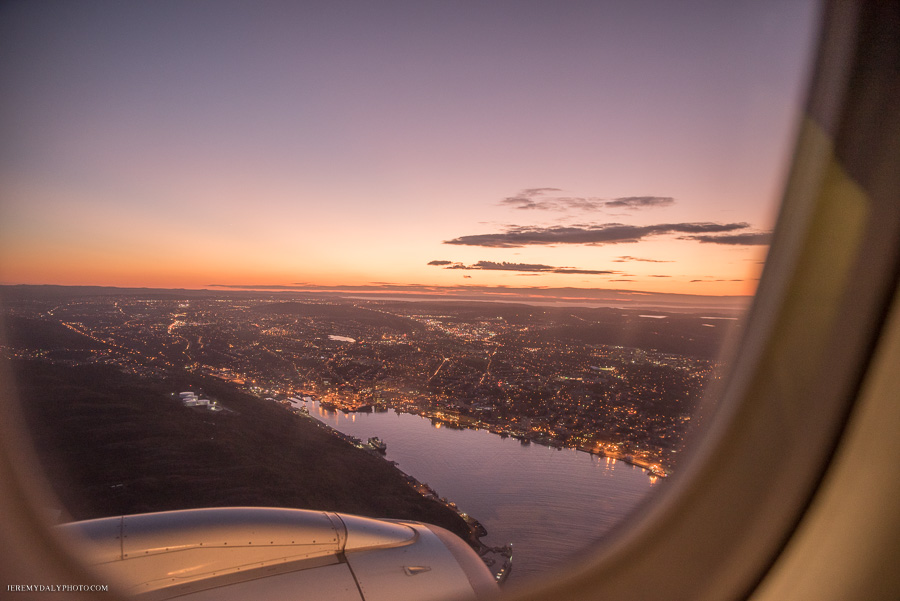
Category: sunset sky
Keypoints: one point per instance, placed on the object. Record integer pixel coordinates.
(571, 145)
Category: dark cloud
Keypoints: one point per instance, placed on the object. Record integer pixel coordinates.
(608, 233)
(705, 227)
(520, 202)
(538, 191)
(539, 199)
(525, 199)
(747, 239)
(535, 199)
(504, 266)
(533, 268)
(715, 280)
(580, 204)
(640, 202)
(584, 271)
(626, 258)
(294, 286)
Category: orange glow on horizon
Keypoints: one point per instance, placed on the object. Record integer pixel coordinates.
(214, 165)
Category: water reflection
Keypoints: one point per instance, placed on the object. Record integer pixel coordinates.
(550, 503)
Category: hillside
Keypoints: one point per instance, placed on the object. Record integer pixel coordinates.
(114, 444)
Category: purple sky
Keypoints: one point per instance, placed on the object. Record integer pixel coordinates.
(345, 143)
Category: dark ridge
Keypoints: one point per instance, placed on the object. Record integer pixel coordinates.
(112, 443)
(23, 332)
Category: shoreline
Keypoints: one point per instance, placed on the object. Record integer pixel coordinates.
(497, 558)
(490, 555)
(654, 467)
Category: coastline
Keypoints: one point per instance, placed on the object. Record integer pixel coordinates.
(653, 466)
(497, 558)
(476, 530)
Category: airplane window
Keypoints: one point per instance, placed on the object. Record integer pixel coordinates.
(482, 267)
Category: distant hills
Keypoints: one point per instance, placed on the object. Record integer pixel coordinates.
(561, 297)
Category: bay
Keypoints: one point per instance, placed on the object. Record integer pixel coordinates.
(550, 504)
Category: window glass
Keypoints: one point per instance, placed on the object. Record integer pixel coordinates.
(470, 264)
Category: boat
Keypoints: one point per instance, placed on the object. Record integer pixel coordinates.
(658, 471)
(378, 444)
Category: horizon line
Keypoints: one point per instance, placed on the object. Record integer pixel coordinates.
(543, 296)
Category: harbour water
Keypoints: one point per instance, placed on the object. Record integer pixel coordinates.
(550, 504)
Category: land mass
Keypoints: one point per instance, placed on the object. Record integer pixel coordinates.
(113, 443)
(100, 370)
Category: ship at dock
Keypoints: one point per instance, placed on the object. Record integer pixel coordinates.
(376, 444)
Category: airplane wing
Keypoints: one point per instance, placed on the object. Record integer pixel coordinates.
(260, 553)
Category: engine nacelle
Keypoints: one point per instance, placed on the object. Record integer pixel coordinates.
(260, 553)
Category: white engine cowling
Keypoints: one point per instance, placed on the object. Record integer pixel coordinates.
(261, 553)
